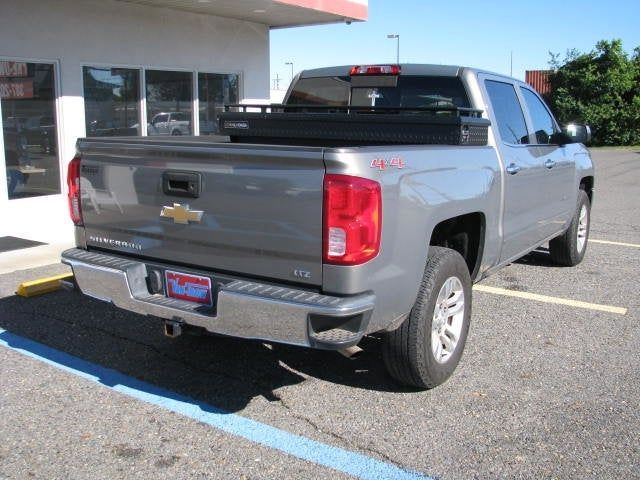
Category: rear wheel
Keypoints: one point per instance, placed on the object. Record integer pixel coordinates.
(569, 248)
(425, 350)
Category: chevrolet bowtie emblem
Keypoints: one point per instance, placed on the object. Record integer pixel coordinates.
(181, 214)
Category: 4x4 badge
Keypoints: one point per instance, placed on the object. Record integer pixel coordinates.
(181, 214)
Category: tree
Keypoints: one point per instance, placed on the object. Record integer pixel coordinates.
(600, 88)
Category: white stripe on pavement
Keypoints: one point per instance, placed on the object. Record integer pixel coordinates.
(619, 244)
(548, 299)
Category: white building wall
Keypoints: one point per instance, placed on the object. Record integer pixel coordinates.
(73, 33)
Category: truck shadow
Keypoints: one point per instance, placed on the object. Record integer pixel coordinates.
(539, 257)
(221, 372)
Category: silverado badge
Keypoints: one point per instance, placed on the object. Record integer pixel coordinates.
(181, 214)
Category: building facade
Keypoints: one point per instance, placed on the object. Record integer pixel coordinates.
(75, 68)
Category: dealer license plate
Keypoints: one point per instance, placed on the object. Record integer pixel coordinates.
(192, 288)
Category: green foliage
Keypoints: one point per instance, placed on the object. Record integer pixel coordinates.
(600, 88)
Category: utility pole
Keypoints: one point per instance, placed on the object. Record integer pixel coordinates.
(290, 63)
(397, 37)
(276, 82)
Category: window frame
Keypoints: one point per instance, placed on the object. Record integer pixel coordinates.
(60, 136)
(196, 87)
(141, 78)
(525, 112)
(195, 101)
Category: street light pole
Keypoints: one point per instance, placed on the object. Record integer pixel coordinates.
(397, 37)
(290, 63)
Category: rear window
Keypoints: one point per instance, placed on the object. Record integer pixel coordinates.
(410, 91)
(333, 91)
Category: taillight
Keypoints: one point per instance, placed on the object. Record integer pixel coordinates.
(375, 70)
(73, 184)
(352, 219)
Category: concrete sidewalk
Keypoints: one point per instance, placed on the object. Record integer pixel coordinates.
(32, 257)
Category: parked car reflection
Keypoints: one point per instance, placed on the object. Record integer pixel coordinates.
(170, 123)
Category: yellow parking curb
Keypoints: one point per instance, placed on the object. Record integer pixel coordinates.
(42, 285)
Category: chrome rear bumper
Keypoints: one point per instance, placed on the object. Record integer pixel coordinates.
(244, 308)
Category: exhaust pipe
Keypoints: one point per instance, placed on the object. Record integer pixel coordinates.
(351, 352)
(172, 328)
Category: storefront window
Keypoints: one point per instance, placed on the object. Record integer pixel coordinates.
(214, 91)
(27, 101)
(169, 97)
(111, 101)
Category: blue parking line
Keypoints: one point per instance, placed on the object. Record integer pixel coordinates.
(356, 464)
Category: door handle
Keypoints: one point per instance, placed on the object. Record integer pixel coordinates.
(512, 169)
(182, 184)
(549, 163)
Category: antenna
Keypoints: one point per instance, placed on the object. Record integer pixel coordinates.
(511, 71)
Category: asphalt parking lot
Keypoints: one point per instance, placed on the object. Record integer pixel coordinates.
(545, 389)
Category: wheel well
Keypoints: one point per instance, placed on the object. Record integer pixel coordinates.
(464, 234)
(586, 184)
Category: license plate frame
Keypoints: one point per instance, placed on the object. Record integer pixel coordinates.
(189, 287)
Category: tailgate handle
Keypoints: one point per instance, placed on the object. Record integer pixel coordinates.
(181, 184)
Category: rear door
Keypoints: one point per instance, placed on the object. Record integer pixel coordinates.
(525, 211)
(253, 209)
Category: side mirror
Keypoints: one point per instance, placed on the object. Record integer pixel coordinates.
(577, 133)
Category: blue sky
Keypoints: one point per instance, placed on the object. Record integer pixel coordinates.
(479, 33)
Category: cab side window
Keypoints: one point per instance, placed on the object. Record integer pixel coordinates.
(508, 112)
(543, 124)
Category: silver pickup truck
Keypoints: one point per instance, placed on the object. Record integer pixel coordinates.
(369, 202)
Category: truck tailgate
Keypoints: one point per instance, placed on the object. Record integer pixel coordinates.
(261, 206)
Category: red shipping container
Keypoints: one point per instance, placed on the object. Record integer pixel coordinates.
(539, 80)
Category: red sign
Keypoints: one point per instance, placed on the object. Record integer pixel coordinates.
(11, 89)
(13, 69)
(356, 9)
(192, 288)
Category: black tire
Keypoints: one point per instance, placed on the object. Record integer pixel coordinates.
(407, 351)
(564, 249)
(176, 133)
